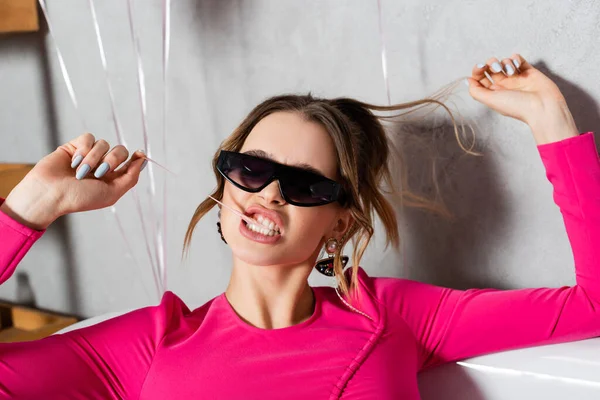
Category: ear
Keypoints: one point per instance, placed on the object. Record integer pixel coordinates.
(343, 224)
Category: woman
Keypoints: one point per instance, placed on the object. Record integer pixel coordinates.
(308, 172)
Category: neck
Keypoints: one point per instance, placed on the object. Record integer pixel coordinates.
(271, 297)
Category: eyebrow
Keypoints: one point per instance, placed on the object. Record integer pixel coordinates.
(268, 156)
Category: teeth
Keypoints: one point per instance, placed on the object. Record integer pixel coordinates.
(265, 224)
(263, 230)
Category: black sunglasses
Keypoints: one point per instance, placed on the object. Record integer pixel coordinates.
(298, 186)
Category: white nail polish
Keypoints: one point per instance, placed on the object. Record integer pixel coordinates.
(76, 161)
(496, 67)
(516, 62)
(480, 65)
(509, 69)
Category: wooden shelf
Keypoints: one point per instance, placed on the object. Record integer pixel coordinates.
(18, 16)
(23, 324)
(10, 175)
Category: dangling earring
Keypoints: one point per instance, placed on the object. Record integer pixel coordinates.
(219, 227)
(325, 265)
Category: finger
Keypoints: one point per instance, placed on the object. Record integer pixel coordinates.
(78, 148)
(479, 91)
(496, 69)
(479, 74)
(136, 155)
(111, 160)
(521, 64)
(509, 68)
(128, 175)
(91, 159)
(482, 94)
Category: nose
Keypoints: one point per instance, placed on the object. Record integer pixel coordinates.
(272, 194)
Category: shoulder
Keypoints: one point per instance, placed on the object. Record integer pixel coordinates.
(148, 324)
(122, 349)
(398, 293)
(380, 287)
(168, 312)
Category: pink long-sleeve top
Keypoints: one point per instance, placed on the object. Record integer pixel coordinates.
(168, 351)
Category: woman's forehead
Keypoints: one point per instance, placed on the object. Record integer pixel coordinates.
(290, 139)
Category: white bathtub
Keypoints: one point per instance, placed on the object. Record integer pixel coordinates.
(567, 371)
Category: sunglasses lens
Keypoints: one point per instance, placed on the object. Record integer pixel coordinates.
(308, 190)
(249, 172)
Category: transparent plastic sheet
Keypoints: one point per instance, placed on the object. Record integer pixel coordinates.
(383, 53)
(63, 67)
(166, 31)
(159, 272)
(121, 140)
(384, 69)
(155, 224)
(118, 130)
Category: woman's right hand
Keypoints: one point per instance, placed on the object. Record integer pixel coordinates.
(71, 179)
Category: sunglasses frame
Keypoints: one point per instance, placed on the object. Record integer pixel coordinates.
(279, 171)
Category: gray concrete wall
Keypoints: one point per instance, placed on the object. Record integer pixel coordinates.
(226, 56)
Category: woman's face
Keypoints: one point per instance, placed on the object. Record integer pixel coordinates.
(289, 139)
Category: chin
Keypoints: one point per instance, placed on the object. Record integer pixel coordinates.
(258, 257)
(262, 255)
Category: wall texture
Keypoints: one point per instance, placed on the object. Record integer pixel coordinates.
(226, 56)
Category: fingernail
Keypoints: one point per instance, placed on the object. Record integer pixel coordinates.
(144, 165)
(82, 172)
(517, 63)
(480, 65)
(489, 77)
(466, 81)
(101, 170)
(496, 67)
(76, 161)
(509, 69)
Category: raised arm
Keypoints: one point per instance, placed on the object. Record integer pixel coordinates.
(105, 361)
(453, 324)
(108, 360)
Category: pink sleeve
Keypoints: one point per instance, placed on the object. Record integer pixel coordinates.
(107, 360)
(451, 324)
(15, 242)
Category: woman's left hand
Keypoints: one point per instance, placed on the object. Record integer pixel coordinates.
(523, 92)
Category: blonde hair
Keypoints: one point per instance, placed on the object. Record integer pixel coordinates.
(363, 155)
